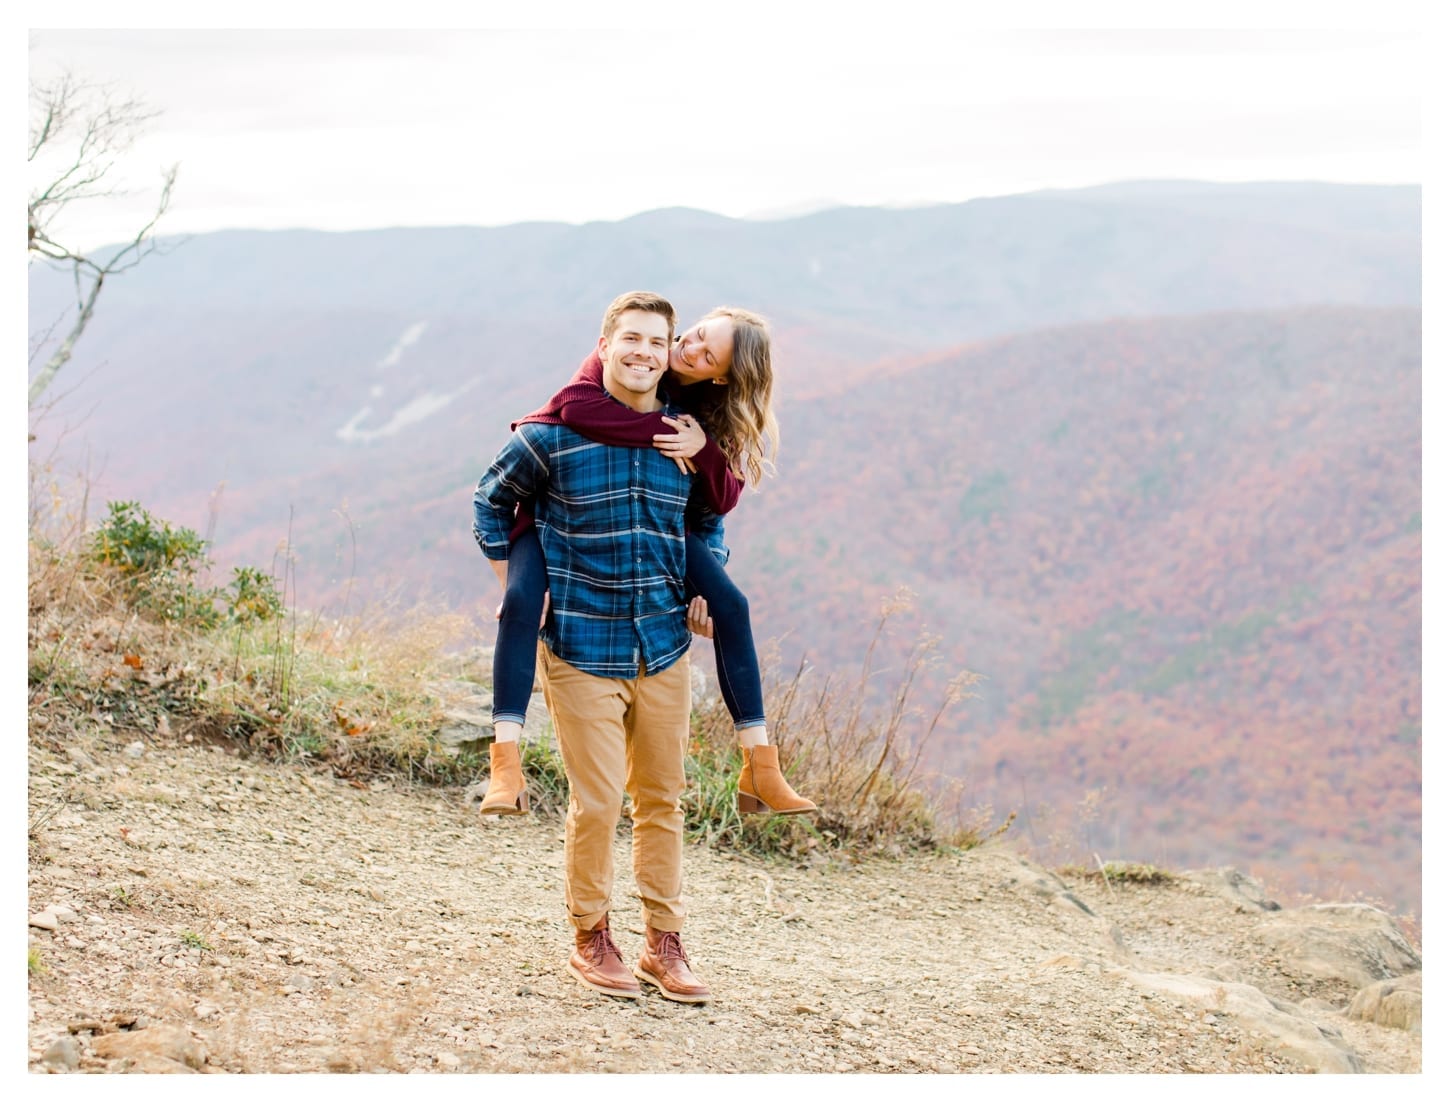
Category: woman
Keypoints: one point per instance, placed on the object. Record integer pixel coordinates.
(719, 368)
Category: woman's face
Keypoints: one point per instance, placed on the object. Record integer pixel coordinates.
(702, 352)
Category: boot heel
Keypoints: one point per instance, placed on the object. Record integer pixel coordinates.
(749, 805)
(764, 789)
(520, 806)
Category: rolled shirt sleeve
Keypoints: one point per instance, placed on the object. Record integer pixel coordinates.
(520, 467)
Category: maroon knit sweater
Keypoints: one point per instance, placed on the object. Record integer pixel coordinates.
(586, 407)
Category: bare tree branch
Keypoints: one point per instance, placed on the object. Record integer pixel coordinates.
(78, 132)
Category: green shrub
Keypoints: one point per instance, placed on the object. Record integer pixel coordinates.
(253, 596)
(136, 543)
(158, 562)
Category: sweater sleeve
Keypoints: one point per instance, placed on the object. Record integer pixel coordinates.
(587, 408)
(719, 483)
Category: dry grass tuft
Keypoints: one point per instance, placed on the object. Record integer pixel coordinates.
(857, 756)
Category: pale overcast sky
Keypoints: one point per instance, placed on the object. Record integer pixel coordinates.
(344, 129)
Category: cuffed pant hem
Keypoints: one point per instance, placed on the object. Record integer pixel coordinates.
(587, 922)
(664, 923)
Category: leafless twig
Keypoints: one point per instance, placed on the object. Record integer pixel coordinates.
(78, 131)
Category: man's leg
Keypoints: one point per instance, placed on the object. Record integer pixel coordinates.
(658, 724)
(588, 714)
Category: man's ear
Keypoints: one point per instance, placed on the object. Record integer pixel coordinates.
(602, 346)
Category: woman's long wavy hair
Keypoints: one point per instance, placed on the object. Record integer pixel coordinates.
(740, 418)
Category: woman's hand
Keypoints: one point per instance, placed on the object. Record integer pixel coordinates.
(697, 616)
(684, 444)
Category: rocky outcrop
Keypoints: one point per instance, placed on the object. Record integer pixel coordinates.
(1036, 882)
(468, 714)
(1396, 1003)
(1244, 892)
(1287, 1029)
(1349, 943)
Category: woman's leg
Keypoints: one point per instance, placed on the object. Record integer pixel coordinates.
(514, 654)
(517, 644)
(762, 786)
(737, 667)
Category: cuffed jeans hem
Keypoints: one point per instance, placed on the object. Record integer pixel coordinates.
(508, 717)
(742, 724)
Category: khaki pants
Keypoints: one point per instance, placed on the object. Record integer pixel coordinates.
(618, 735)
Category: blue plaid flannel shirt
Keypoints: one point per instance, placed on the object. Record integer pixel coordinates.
(611, 521)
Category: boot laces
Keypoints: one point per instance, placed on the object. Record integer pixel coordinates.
(669, 947)
(601, 945)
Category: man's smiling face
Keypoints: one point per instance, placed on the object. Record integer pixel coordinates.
(635, 355)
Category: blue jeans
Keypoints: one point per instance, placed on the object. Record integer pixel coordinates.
(737, 667)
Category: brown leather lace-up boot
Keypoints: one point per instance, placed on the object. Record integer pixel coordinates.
(506, 794)
(664, 964)
(763, 787)
(598, 964)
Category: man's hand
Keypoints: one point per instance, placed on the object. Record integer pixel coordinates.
(501, 571)
(684, 444)
(697, 616)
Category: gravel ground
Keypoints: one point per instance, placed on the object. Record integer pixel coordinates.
(221, 914)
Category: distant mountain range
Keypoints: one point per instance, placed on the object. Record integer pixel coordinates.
(1149, 453)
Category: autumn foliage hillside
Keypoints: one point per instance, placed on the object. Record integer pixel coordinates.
(1186, 554)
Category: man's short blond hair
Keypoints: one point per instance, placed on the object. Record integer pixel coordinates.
(637, 300)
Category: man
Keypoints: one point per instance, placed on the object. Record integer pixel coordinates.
(614, 654)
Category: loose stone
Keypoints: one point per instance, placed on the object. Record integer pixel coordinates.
(63, 1052)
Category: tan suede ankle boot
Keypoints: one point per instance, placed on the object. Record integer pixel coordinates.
(764, 789)
(506, 794)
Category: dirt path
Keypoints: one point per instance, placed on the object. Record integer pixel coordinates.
(241, 916)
